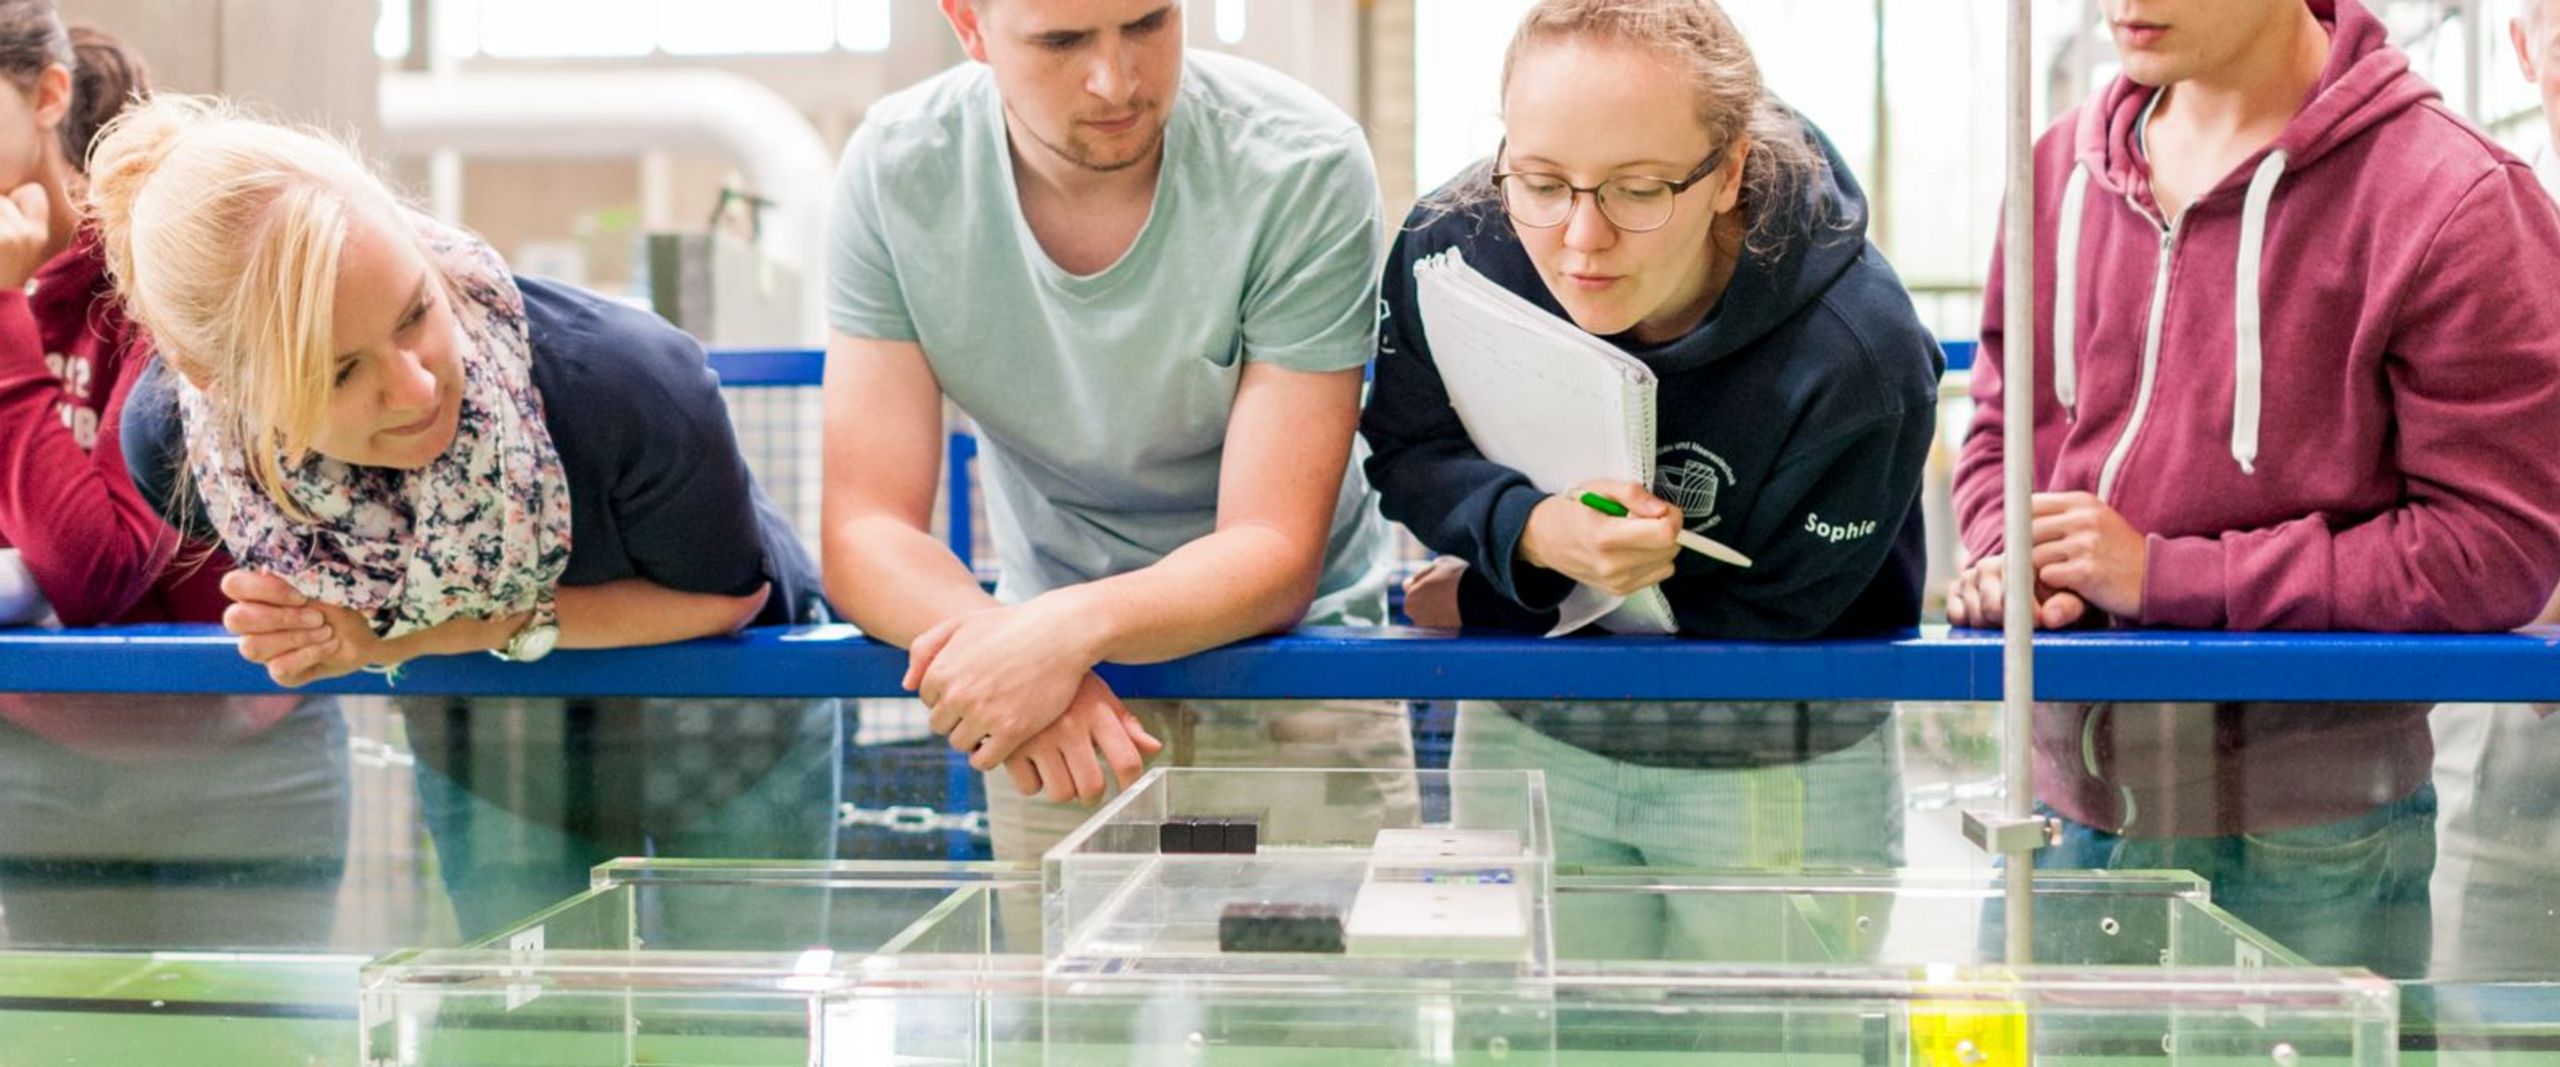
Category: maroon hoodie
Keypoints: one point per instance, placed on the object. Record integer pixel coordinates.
(99, 552)
(2329, 392)
(101, 555)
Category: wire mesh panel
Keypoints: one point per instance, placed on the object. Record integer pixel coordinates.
(779, 430)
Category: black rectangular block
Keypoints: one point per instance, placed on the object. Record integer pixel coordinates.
(1238, 835)
(1263, 926)
(1244, 835)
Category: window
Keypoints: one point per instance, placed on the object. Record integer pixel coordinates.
(1231, 21)
(862, 25)
(538, 29)
(391, 31)
(541, 28)
(739, 27)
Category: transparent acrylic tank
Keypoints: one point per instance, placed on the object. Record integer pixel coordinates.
(1108, 953)
(702, 962)
(1118, 902)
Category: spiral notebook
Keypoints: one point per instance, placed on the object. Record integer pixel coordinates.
(1542, 397)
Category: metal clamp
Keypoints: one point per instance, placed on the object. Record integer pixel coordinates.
(2008, 835)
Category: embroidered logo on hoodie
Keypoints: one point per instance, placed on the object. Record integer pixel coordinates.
(1691, 478)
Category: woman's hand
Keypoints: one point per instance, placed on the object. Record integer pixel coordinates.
(26, 229)
(1431, 595)
(1618, 556)
(299, 640)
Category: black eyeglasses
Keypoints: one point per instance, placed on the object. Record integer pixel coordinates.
(1631, 203)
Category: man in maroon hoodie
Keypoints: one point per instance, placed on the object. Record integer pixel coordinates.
(2296, 372)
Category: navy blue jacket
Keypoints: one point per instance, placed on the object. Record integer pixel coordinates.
(1794, 425)
(657, 487)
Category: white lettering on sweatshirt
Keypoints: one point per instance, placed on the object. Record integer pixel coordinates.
(1814, 525)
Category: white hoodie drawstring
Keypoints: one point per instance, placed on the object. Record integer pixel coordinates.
(2249, 361)
(2066, 295)
(2249, 356)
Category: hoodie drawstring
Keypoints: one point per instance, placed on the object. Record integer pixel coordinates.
(2066, 295)
(2249, 362)
(2249, 356)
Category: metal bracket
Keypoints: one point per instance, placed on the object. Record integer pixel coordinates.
(2008, 835)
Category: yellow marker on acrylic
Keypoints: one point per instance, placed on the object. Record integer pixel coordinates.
(1979, 1030)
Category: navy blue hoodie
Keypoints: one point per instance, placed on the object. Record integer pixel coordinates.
(1794, 425)
(657, 487)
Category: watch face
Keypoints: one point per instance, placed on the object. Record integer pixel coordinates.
(534, 643)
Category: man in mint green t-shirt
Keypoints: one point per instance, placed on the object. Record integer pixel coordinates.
(1151, 280)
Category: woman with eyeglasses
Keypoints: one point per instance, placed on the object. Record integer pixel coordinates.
(1654, 193)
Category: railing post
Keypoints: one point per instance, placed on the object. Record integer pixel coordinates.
(957, 524)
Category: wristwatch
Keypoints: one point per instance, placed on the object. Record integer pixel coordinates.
(536, 638)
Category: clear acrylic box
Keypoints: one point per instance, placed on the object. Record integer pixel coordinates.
(1902, 918)
(931, 964)
(1955, 1016)
(729, 962)
(1455, 882)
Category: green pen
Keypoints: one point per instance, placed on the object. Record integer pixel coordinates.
(1694, 542)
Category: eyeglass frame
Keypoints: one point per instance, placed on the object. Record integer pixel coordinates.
(1573, 196)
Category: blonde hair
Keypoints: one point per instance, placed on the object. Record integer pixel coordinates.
(1726, 93)
(224, 233)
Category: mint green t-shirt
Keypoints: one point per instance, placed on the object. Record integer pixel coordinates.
(1101, 400)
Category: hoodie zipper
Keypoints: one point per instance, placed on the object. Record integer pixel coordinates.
(2150, 353)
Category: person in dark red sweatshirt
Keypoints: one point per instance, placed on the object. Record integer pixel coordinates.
(2296, 370)
(68, 355)
(125, 821)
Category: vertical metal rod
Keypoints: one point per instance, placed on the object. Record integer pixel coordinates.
(2475, 57)
(2084, 38)
(2018, 463)
(1880, 168)
(444, 165)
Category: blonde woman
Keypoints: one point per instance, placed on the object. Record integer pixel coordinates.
(1653, 193)
(411, 451)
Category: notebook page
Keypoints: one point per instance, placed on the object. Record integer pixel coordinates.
(1542, 397)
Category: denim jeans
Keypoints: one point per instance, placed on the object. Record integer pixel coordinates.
(1841, 810)
(2351, 893)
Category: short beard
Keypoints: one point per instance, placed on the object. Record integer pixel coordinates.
(1085, 161)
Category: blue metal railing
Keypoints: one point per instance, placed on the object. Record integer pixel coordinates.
(805, 366)
(1414, 664)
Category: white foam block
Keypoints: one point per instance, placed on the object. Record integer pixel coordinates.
(1439, 921)
(1440, 842)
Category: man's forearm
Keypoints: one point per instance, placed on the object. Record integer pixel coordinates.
(895, 581)
(1242, 581)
